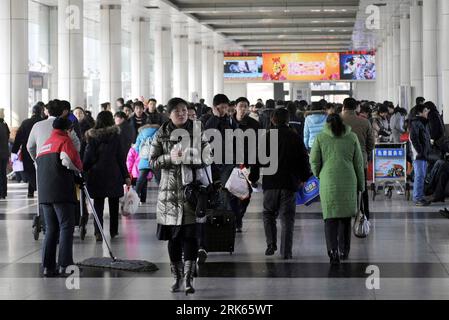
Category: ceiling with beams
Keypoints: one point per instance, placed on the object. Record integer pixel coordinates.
(264, 25)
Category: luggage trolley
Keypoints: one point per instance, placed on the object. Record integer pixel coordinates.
(390, 169)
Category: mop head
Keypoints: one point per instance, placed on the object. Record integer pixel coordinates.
(124, 265)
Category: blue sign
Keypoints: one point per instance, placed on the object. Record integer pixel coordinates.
(390, 153)
(309, 192)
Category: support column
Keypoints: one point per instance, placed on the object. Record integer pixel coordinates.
(180, 62)
(405, 52)
(219, 71)
(195, 72)
(390, 68)
(396, 61)
(162, 65)
(140, 57)
(208, 73)
(14, 60)
(444, 16)
(111, 53)
(379, 72)
(430, 50)
(53, 94)
(71, 52)
(416, 51)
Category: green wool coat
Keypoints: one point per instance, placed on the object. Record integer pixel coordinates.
(338, 163)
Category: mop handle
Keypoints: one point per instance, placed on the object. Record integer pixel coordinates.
(98, 222)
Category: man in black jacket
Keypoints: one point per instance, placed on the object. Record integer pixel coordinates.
(421, 147)
(265, 116)
(245, 123)
(139, 118)
(280, 188)
(21, 143)
(153, 115)
(436, 124)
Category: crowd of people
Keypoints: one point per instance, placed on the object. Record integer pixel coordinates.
(64, 148)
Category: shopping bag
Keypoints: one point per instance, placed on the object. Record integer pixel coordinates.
(130, 202)
(238, 185)
(309, 192)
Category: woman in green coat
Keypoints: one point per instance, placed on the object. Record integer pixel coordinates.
(336, 159)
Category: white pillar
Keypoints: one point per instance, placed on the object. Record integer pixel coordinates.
(162, 64)
(71, 52)
(390, 68)
(430, 50)
(444, 16)
(195, 72)
(53, 94)
(218, 71)
(14, 60)
(180, 62)
(140, 58)
(379, 72)
(416, 51)
(396, 62)
(111, 53)
(208, 73)
(405, 52)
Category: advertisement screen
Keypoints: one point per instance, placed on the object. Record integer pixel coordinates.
(357, 67)
(243, 67)
(301, 66)
(390, 164)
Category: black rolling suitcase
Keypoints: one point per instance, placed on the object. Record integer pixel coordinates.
(219, 231)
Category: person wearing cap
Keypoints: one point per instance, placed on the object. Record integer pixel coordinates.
(57, 163)
(41, 131)
(20, 143)
(4, 154)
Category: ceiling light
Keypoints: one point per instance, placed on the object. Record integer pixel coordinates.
(315, 10)
(316, 21)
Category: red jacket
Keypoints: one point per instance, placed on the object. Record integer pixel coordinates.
(57, 163)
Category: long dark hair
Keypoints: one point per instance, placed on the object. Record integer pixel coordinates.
(337, 126)
(104, 120)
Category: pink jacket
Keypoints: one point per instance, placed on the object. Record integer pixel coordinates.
(132, 163)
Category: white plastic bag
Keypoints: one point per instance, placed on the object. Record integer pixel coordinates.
(130, 202)
(237, 184)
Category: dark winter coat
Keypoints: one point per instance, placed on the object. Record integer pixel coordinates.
(106, 171)
(156, 118)
(293, 162)
(265, 118)
(85, 125)
(221, 171)
(135, 125)
(4, 140)
(248, 123)
(127, 138)
(57, 162)
(436, 124)
(420, 138)
(22, 139)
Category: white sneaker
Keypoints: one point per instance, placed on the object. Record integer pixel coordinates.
(202, 256)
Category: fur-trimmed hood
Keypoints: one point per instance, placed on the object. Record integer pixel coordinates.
(102, 134)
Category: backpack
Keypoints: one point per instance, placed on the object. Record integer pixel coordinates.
(144, 148)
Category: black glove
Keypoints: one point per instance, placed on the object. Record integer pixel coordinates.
(79, 180)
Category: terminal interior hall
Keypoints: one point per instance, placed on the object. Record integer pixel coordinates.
(93, 52)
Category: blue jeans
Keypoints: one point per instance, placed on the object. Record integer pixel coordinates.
(60, 218)
(420, 168)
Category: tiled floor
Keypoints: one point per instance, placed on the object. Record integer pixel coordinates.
(409, 245)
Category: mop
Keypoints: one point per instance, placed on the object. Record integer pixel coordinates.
(112, 262)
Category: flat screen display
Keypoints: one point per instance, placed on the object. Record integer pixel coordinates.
(249, 68)
(357, 67)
